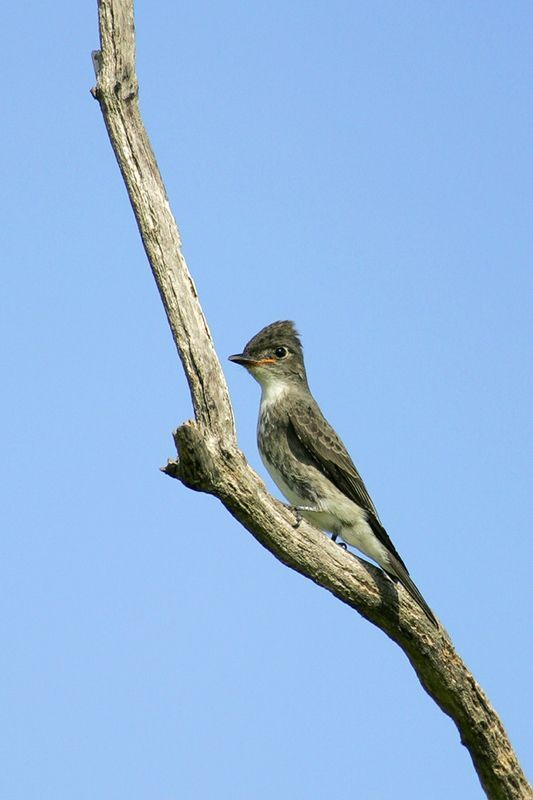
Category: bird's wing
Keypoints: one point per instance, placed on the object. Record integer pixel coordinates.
(316, 436)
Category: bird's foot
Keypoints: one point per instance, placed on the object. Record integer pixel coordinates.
(297, 516)
(341, 544)
(297, 511)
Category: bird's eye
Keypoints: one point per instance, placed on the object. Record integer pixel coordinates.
(280, 352)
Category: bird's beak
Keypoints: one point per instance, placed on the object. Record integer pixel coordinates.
(244, 361)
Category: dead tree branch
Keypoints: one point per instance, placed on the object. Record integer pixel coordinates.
(210, 461)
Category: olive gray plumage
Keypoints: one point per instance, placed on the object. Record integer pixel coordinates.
(305, 457)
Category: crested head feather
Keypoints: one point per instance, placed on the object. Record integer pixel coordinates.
(282, 333)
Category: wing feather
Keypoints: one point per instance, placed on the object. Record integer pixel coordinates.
(316, 436)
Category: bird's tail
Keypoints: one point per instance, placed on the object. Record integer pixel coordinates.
(399, 572)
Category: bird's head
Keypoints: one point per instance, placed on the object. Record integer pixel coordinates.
(274, 355)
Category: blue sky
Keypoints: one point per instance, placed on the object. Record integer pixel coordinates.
(364, 169)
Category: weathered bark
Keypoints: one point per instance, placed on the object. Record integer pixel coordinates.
(209, 458)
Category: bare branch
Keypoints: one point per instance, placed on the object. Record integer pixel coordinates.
(210, 461)
(117, 91)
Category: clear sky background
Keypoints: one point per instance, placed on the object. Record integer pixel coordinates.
(364, 169)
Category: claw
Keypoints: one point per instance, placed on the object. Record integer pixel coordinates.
(297, 516)
(296, 510)
(341, 544)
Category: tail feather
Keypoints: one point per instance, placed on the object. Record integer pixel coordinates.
(397, 570)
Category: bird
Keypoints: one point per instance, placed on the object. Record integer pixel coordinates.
(306, 458)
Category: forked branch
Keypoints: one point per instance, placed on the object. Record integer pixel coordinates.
(210, 461)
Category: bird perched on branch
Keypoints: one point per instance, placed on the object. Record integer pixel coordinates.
(307, 460)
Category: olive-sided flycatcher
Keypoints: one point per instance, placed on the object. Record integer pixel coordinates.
(305, 457)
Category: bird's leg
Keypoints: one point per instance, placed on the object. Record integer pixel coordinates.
(297, 511)
(341, 544)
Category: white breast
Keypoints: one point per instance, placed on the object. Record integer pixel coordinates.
(272, 391)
